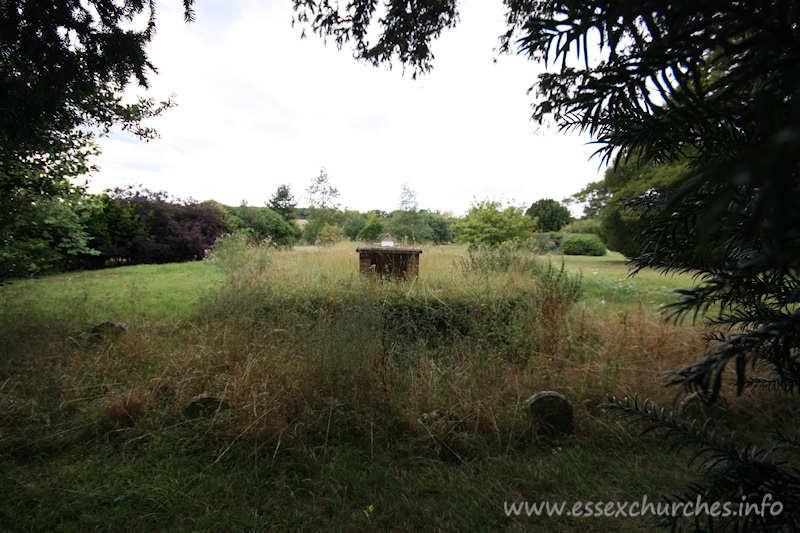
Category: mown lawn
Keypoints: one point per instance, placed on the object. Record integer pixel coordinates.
(607, 281)
(128, 293)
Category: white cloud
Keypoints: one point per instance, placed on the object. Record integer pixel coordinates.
(259, 106)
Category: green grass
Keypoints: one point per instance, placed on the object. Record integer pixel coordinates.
(172, 291)
(607, 281)
(186, 479)
(324, 430)
(141, 293)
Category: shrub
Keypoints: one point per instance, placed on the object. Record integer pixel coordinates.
(556, 237)
(40, 233)
(504, 257)
(489, 223)
(541, 243)
(318, 218)
(373, 230)
(584, 225)
(583, 244)
(264, 223)
(331, 234)
(150, 227)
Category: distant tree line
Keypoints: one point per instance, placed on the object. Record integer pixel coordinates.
(327, 223)
(134, 226)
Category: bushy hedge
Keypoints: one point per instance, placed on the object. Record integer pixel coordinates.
(141, 226)
(585, 225)
(582, 244)
(262, 223)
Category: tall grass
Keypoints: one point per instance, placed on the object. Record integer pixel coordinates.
(297, 342)
(317, 345)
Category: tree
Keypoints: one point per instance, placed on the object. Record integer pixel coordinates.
(488, 223)
(321, 194)
(264, 223)
(113, 229)
(408, 198)
(594, 196)
(717, 86)
(626, 180)
(409, 225)
(406, 221)
(418, 225)
(373, 229)
(171, 230)
(141, 226)
(41, 233)
(716, 83)
(283, 203)
(353, 224)
(440, 226)
(323, 207)
(549, 214)
(63, 67)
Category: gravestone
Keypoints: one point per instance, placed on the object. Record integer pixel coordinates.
(552, 413)
(108, 330)
(695, 405)
(205, 405)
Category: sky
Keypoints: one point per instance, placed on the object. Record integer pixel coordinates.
(259, 106)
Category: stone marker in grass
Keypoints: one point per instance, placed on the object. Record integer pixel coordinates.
(205, 405)
(109, 330)
(551, 413)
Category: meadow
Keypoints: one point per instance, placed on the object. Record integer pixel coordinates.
(326, 382)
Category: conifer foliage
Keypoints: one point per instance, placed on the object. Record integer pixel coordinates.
(717, 84)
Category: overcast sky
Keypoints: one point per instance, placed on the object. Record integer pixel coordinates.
(258, 106)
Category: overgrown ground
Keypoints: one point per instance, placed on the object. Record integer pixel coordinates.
(327, 377)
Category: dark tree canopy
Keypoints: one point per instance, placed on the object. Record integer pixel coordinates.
(132, 226)
(405, 31)
(550, 215)
(63, 67)
(172, 230)
(626, 180)
(283, 203)
(715, 85)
